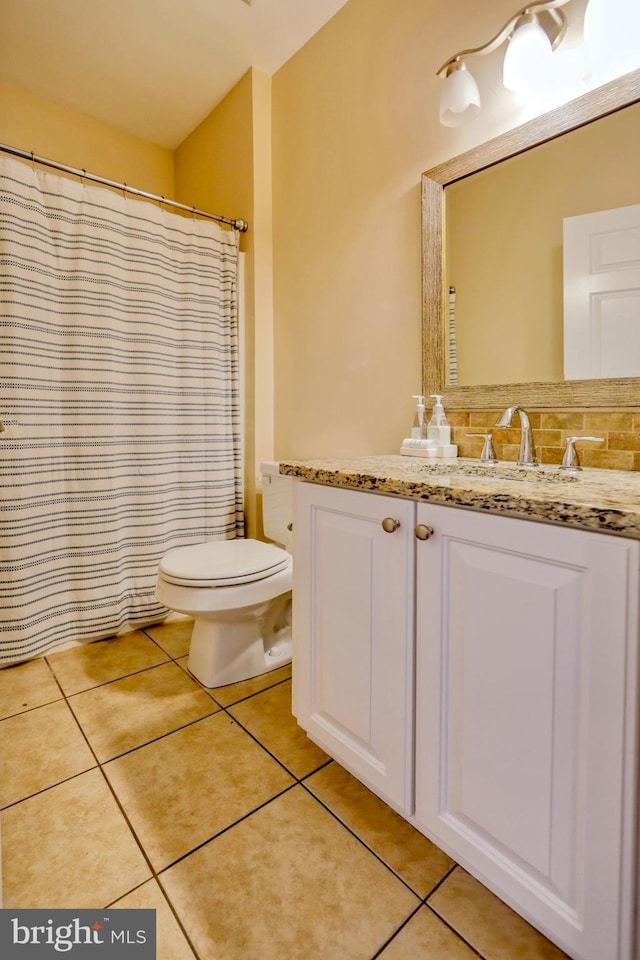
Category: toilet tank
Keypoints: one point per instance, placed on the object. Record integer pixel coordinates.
(277, 504)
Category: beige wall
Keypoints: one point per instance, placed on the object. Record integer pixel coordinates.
(504, 246)
(50, 130)
(355, 122)
(224, 165)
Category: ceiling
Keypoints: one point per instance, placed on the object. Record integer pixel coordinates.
(154, 68)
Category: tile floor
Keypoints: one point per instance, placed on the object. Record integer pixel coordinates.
(124, 783)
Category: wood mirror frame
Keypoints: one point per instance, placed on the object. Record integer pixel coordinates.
(624, 392)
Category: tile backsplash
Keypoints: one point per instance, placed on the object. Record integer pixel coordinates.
(620, 429)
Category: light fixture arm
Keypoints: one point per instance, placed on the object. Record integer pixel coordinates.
(552, 20)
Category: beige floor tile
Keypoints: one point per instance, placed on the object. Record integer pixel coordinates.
(487, 923)
(181, 790)
(171, 943)
(174, 637)
(426, 937)
(39, 749)
(403, 848)
(26, 685)
(268, 717)
(69, 847)
(94, 663)
(233, 692)
(123, 714)
(288, 882)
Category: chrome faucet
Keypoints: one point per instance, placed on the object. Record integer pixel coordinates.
(527, 454)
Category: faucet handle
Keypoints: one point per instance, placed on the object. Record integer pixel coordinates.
(570, 459)
(488, 454)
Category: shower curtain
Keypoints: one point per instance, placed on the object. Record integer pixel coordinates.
(119, 396)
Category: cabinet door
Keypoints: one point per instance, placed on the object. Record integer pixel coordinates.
(526, 718)
(353, 629)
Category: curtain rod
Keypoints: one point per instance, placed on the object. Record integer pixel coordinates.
(240, 225)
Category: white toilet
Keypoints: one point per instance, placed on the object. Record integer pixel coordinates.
(239, 592)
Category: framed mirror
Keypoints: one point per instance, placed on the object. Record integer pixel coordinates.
(553, 391)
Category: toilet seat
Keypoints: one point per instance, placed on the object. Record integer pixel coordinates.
(222, 563)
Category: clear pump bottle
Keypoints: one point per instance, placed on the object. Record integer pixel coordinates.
(438, 428)
(419, 428)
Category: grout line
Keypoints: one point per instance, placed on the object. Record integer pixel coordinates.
(249, 696)
(424, 903)
(312, 773)
(21, 713)
(51, 786)
(155, 879)
(281, 763)
(229, 826)
(471, 947)
(178, 920)
(361, 841)
(439, 883)
(105, 683)
(111, 790)
(395, 934)
(266, 749)
(161, 736)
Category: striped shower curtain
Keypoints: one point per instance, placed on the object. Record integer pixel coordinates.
(119, 396)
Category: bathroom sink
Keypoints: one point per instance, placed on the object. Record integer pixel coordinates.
(497, 471)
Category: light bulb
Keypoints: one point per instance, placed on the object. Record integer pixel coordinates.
(612, 35)
(527, 57)
(460, 97)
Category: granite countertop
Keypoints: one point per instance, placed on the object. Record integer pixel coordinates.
(604, 500)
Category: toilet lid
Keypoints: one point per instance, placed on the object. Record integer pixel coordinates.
(222, 563)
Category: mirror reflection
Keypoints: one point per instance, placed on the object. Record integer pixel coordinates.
(534, 296)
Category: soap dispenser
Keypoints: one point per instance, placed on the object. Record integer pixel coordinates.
(439, 431)
(417, 444)
(419, 430)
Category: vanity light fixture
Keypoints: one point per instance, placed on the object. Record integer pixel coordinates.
(532, 34)
(460, 98)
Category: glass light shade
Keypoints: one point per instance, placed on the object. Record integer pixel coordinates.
(527, 57)
(460, 97)
(612, 34)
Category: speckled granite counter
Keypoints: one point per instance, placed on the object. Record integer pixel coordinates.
(604, 500)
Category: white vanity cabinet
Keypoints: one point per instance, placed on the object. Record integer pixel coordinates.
(353, 633)
(526, 718)
(484, 683)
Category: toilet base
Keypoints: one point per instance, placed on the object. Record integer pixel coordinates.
(225, 651)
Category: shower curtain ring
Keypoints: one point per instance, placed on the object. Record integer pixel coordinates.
(84, 174)
(124, 191)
